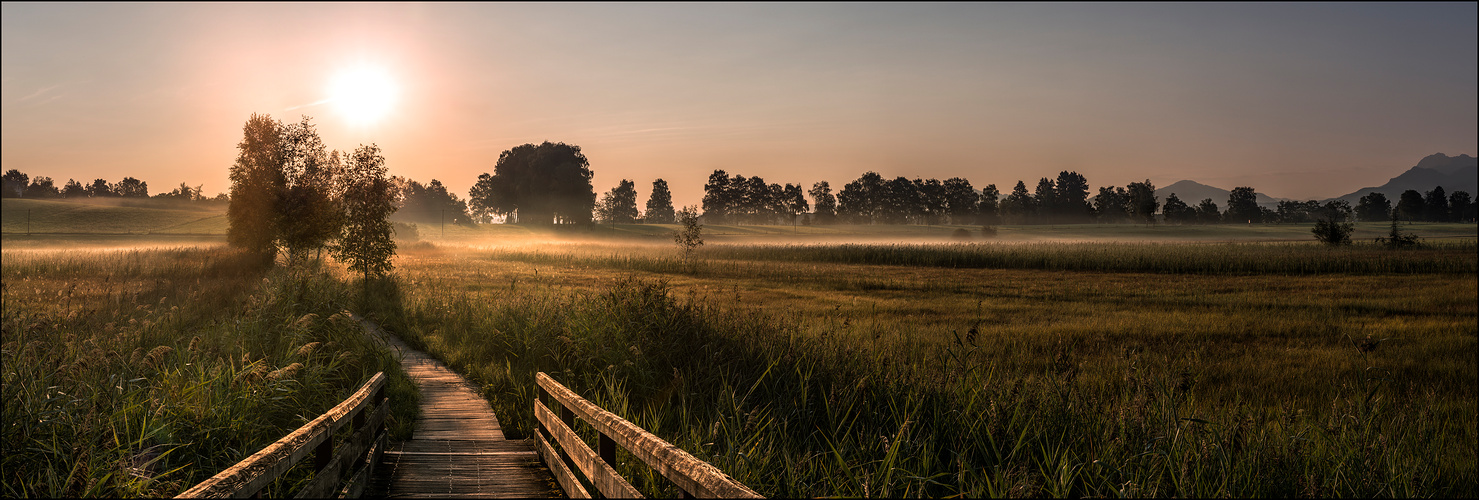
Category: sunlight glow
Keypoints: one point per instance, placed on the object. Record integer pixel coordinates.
(363, 95)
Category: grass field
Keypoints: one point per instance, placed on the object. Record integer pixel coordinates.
(804, 361)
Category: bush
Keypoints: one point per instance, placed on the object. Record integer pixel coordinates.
(961, 234)
(1330, 232)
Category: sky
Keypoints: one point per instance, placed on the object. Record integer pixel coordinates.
(1305, 101)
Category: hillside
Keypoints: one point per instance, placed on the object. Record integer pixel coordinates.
(1454, 173)
(111, 216)
(1192, 193)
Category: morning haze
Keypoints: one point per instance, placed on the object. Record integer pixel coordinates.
(740, 250)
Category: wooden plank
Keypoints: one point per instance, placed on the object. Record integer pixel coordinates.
(359, 480)
(326, 481)
(567, 479)
(249, 476)
(690, 474)
(601, 475)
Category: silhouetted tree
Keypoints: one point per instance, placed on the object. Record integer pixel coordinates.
(42, 187)
(962, 203)
(718, 198)
(990, 207)
(1242, 206)
(73, 189)
(1072, 198)
(130, 187)
(1437, 205)
(619, 206)
(1020, 205)
(861, 201)
(182, 193)
(1373, 207)
(899, 201)
(660, 204)
(1298, 211)
(1207, 212)
(1334, 210)
(431, 204)
(1461, 206)
(368, 199)
(1177, 211)
(100, 188)
(15, 183)
(1112, 204)
(1331, 232)
(257, 185)
(1046, 197)
(1411, 206)
(543, 184)
(933, 205)
(794, 201)
(1143, 203)
(825, 203)
(690, 233)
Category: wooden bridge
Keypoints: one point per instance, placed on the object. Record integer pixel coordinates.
(458, 448)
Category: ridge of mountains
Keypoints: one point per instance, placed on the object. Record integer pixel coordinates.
(1454, 173)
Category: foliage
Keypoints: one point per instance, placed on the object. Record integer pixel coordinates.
(311, 215)
(660, 204)
(1242, 206)
(619, 206)
(1177, 211)
(1397, 238)
(15, 183)
(1411, 206)
(257, 185)
(1332, 232)
(825, 202)
(1373, 207)
(431, 204)
(369, 199)
(1142, 201)
(690, 235)
(540, 184)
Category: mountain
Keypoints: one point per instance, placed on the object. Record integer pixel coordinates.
(1454, 173)
(1192, 193)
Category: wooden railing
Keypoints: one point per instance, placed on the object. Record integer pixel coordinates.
(248, 477)
(694, 477)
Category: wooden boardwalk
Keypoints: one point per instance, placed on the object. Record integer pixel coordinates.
(458, 448)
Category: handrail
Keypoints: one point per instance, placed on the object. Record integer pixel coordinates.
(693, 476)
(249, 476)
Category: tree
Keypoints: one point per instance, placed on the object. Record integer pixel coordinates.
(1020, 204)
(1112, 204)
(900, 201)
(1411, 206)
(933, 205)
(962, 203)
(130, 187)
(1143, 203)
(619, 206)
(860, 201)
(1242, 205)
(369, 198)
(257, 185)
(73, 189)
(1334, 210)
(660, 204)
(311, 215)
(1461, 205)
(543, 184)
(1046, 196)
(1178, 211)
(690, 233)
(825, 203)
(14, 183)
(1436, 202)
(990, 207)
(718, 198)
(1373, 207)
(1072, 198)
(794, 200)
(1332, 232)
(1207, 212)
(43, 187)
(100, 188)
(431, 203)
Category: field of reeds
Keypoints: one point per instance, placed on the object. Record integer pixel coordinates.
(139, 373)
(1045, 369)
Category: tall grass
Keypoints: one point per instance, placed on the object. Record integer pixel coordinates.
(142, 373)
(796, 407)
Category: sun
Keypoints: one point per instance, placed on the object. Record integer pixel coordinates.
(364, 95)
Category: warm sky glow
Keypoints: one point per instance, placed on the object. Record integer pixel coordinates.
(1308, 100)
(363, 95)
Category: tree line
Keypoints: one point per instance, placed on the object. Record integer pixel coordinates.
(18, 184)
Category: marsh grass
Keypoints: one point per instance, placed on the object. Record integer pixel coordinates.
(142, 372)
(816, 378)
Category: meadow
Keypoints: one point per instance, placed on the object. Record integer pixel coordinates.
(1010, 368)
(1057, 361)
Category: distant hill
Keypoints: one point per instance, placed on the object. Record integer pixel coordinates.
(1192, 193)
(1454, 173)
